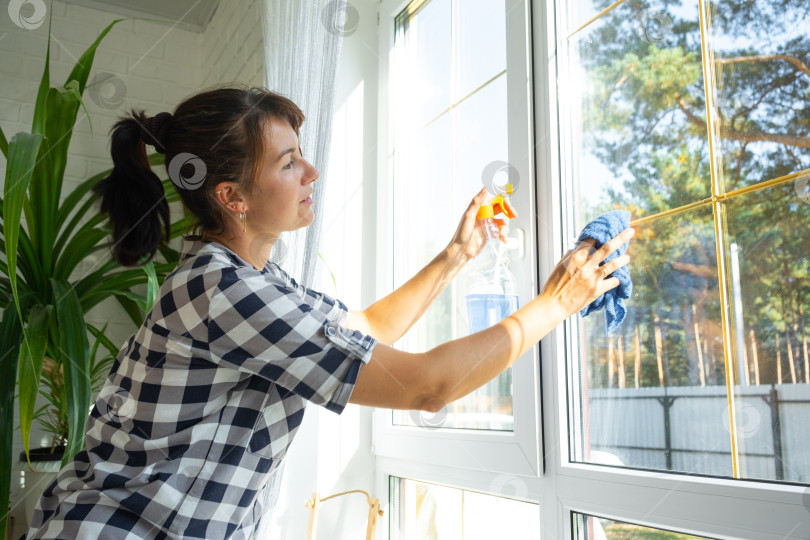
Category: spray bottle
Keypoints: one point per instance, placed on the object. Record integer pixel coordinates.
(491, 291)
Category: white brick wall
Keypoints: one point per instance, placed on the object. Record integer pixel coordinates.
(157, 65)
(232, 46)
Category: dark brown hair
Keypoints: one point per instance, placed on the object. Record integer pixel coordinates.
(216, 135)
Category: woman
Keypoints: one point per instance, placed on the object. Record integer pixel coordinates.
(204, 400)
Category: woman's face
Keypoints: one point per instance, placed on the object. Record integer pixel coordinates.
(281, 196)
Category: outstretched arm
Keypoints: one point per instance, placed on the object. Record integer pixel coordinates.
(390, 317)
(400, 380)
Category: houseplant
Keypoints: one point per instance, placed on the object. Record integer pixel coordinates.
(43, 302)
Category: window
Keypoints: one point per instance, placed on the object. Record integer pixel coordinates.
(425, 511)
(596, 527)
(458, 118)
(450, 124)
(689, 421)
(709, 374)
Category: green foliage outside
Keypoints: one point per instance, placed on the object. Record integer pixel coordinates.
(625, 531)
(643, 118)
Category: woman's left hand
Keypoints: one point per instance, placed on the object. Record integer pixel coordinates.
(469, 239)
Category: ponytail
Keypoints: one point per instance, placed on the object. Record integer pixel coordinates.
(132, 195)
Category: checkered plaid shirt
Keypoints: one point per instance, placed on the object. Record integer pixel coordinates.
(202, 404)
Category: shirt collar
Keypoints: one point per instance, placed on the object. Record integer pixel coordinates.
(191, 248)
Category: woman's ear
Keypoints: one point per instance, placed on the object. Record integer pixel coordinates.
(229, 196)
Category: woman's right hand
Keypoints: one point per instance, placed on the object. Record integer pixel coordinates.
(578, 280)
(428, 380)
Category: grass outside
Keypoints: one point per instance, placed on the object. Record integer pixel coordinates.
(625, 531)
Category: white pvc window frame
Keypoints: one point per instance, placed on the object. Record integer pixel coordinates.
(491, 463)
(513, 452)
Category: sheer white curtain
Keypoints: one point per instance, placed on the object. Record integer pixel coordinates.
(302, 43)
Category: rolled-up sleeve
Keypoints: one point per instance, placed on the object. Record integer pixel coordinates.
(267, 326)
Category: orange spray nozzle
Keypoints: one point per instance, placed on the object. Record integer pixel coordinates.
(485, 211)
(498, 204)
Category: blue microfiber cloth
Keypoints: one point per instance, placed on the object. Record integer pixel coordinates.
(603, 229)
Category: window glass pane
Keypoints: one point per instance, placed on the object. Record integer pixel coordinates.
(480, 43)
(481, 122)
(437, 168)
(421, 162)
(589, 527)
(629, 102)
(422, 511)
(762, 64)
(652, 395)
(769, 260)
(422, 88)
(634, 129)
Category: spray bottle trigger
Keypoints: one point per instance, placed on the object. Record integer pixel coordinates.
(499, 206)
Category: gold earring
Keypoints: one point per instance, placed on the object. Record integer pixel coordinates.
(243, 217)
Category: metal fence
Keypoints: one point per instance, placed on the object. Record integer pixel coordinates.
(686, 429)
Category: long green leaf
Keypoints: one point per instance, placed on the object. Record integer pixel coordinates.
(132, 309)
(99, 368)
(101, 336)
(32, 354)
(89, 281)
(69, 233)
(181, 226)
(22, 151)
(28, 264)
(38, 124)
(139, 299)
(75, 357)
(10, 337)
(104, 341)
(55, 117)
(152, 286)
(77, 249)
(103, 291)
(81, 71)
(23, 267)
(75, 196)
(156, 159)
(3, 144)
(46, 185)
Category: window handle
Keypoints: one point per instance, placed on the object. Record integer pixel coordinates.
(516, 242)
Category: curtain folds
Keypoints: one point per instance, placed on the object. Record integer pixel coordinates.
(302, 44)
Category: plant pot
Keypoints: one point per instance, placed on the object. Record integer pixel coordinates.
(44, 468)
